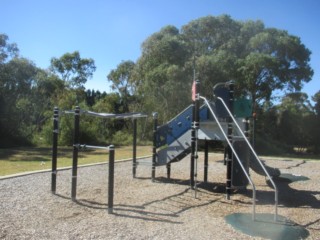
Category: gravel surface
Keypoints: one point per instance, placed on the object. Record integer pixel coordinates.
(151, 210)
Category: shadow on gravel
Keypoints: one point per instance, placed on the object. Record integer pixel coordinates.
(166, 208)
(208, 186)
(143, 215)
(91, 204)
(294, 198)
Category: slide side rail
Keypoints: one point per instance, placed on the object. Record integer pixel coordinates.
(237, 157)
(256, 156)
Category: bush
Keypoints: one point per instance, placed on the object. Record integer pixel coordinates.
(122, 138)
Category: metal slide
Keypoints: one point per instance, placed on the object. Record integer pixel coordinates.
(255, 166)
(237, 158)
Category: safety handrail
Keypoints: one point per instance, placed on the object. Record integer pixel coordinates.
(256, 156)
(238, 159)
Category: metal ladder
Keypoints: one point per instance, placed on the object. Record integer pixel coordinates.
(237, 157)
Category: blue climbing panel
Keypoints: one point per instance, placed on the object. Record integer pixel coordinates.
(178, 126)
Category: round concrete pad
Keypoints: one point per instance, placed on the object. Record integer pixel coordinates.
(265, 226)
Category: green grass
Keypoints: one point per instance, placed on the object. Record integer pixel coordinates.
(18, 160)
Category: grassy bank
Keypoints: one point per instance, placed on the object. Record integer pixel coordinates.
(18, 160)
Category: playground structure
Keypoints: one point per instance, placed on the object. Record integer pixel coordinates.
(76, 146)
(224, 119)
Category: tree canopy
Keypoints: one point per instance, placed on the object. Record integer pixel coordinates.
(73, 69)
(261, 60)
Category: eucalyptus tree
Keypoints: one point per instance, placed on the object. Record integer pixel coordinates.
(275, 60)
(17, 77)
(161, 73)
(72, 69)
(260, 60)
(122, 82)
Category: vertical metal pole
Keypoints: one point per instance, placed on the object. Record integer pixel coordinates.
(206, 157)
(134, 151)
(75, 153)
(194, 136)
(196, 128)
(168, 170)
(193, 147)
(54, 149)
(111, 179)
(230, 138)
(154, 148)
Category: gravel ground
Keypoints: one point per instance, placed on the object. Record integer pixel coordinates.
(150, 210)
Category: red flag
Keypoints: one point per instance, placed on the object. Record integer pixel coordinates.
(193, 90)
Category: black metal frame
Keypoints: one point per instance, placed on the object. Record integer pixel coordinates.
(76, 146)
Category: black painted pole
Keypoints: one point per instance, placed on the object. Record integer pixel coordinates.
(154, 148)
(75, 153)
(193, 147)
(134, 151)
(111, 179)
(194, 129)
(230, 138)
(54, 149)
(206, 156)
(196, 125)
(168, 170)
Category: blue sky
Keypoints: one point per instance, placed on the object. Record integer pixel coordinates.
(112, 31)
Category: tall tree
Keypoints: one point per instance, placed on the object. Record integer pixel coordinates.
(123, 83)
(261, 60)
(7, 50)
(73, 69)
(161, 74)
(17, 77)
(275, 60)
